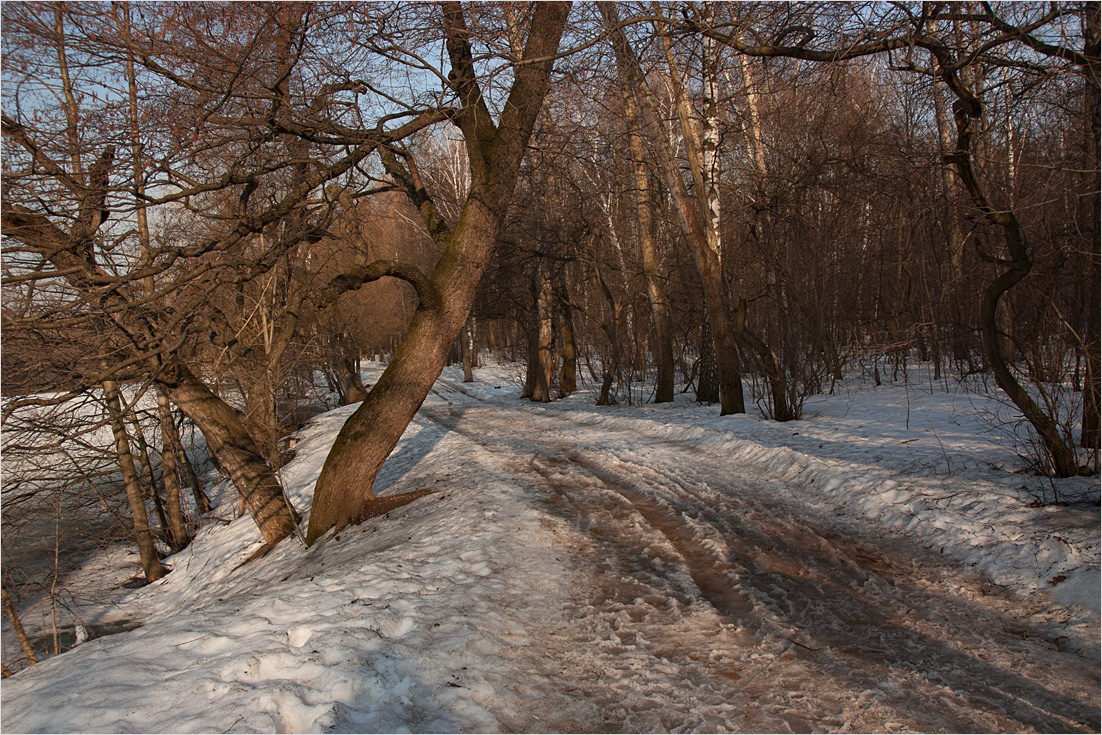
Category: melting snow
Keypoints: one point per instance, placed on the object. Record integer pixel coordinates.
(617, 568)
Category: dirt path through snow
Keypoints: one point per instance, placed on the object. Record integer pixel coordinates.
(705, 600)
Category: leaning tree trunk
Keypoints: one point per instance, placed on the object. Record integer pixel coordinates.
(174, 444)
(345, 488)
(234, 449)
(17, 626)
(151, 563)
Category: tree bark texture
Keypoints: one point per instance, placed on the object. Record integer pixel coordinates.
(707, 385)
(151, 563)
(568, 372)
(235, 450)
(345, 487)
(545, 335)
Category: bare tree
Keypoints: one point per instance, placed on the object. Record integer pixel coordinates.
(344, 489)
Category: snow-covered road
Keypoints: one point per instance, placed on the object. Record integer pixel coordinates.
(616, 569)
(705, 599)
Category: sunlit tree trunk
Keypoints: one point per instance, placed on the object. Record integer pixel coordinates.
(690, 211)
(659, 304)
(345, 488)
(235, 450)
(151, 563)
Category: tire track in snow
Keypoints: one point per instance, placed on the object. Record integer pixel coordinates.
(812, 628)
(814, 588)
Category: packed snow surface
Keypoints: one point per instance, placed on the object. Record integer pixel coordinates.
(882, 565)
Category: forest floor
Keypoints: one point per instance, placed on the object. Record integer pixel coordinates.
(883, 565)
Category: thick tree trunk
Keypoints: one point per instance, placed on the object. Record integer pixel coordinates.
(532, 338)
(725, 335)
(707, 385)
(235, 451)
(568, 374)
(345, 487)
(261, 419)
(151, 563)
(545, 336)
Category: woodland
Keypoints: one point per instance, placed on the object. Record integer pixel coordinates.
(213, 212)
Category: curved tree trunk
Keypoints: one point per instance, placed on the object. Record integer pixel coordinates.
(174, 444)
(1061, 452)
(345, 488)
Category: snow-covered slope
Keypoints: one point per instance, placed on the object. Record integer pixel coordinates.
(461, 612)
